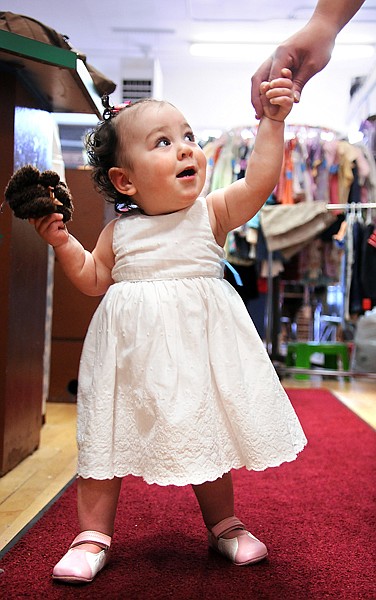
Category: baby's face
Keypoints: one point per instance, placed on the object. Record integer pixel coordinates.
(166, 166)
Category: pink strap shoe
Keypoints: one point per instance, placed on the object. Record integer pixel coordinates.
(242, 549)
(81, 566)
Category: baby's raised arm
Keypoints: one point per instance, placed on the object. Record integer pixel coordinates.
(234, 205)
(90, 272)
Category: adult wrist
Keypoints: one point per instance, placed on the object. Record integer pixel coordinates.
(326, 25)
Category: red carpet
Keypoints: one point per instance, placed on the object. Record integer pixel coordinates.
(317, 516)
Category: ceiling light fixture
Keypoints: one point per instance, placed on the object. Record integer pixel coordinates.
(232, 50)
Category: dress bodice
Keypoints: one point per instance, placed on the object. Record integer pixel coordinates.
(173, 246)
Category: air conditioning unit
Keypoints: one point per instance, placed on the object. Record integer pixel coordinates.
(136, 89)
(142, 78)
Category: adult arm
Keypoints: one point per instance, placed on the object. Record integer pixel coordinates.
(309, 50)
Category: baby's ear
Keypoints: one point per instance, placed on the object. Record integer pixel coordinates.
(121, 182)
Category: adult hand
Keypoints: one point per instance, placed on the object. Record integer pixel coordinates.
(305, 54)
(309, 50)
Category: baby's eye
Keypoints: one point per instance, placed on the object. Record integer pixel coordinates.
(189, 136)
(163, 142)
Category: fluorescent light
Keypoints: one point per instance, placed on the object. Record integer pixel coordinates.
(259, 52)
(232, 50)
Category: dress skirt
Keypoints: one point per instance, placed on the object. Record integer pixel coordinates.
(175, 386)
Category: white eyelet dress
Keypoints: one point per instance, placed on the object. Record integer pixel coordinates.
(175, 384)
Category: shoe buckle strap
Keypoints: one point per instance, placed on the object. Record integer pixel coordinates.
(92, 537)
(225, 526)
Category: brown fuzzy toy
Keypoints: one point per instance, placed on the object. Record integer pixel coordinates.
(31, 194)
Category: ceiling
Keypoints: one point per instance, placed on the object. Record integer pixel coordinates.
(125, 39)
(163, 29)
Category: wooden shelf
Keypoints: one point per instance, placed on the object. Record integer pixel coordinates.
(57, 78)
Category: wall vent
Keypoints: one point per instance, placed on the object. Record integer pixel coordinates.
(136, 89)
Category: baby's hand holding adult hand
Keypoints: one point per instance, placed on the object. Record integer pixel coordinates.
(51, 229)
(277, 96)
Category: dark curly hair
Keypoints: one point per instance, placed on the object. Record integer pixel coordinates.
(103, 150)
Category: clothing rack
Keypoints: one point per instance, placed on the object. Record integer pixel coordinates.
(233, 143)
(269, 308)
(270, 295)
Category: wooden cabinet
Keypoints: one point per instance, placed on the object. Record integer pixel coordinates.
(72, 310)
(32, 75)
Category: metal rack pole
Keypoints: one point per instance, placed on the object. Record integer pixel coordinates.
(351, 205)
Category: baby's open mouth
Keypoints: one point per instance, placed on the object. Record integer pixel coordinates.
(187, 173)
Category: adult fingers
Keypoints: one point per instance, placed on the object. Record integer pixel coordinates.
(282, 58)
(262, 74)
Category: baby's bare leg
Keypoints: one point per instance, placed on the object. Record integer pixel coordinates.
(97, 502)
(227, 535)
(216, 499)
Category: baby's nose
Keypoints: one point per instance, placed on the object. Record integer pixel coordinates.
(185, 150)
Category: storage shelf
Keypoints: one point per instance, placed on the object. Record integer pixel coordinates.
(56, 77)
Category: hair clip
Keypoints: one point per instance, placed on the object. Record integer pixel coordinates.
(111, 111)
(124, 208)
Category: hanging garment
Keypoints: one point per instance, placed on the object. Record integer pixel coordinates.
(370, 182)
(249, 277)
(290, 228)
(368, 265)
(356, 287)
(284, 192)
(347, 155)
(223, 172)
(355, 191)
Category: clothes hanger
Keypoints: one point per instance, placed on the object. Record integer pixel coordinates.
(369, 219)
(359, 214)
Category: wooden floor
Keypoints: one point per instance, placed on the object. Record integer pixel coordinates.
(28, 488)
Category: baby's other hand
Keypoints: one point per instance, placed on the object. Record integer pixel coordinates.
(51, 229)
(277, 96)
